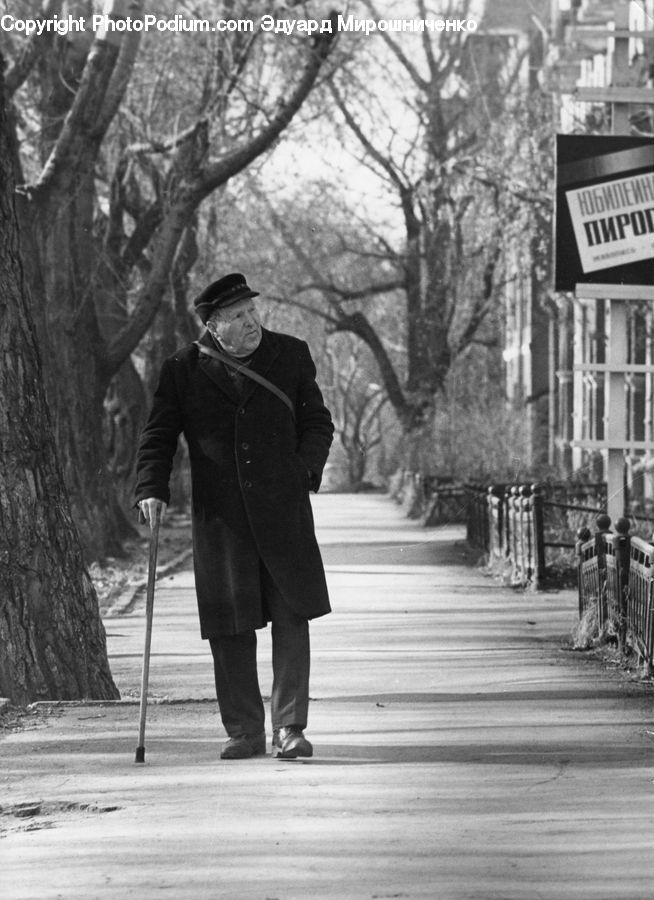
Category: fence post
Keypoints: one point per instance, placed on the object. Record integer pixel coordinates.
(477, 515)
(526, 539)
(603, 523)
(469, 514)
(516, 502)
(485, 512)
(583, 536)
(649, 628)
(622, 546)
(537, 508)
(505, 502)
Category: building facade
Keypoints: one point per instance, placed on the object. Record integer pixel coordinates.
(582, 73)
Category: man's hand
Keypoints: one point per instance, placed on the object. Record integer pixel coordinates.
(148, 508)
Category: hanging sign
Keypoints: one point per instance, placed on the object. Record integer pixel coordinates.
(604, 222)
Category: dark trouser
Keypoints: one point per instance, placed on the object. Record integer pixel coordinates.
(237, 682)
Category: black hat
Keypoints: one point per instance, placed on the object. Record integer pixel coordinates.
(222, 293)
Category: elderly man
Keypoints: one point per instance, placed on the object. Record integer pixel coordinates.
(258, 436)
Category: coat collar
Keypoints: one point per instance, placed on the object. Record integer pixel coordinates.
(261, 361)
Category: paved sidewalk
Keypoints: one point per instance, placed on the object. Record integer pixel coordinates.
(461, 752)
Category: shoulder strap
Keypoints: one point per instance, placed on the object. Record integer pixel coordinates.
(244, 370)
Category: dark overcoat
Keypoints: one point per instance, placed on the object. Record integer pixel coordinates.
(252, 466)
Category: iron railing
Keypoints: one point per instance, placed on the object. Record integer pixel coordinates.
(507, 522)
(616, 583)
(523, 526)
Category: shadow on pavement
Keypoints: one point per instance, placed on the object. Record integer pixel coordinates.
(504, 754)
(398, 553)
(175, 753)
(555, 695)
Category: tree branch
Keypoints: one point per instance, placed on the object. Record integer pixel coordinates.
(358, 324)
(122, 72)
(397, 51)
(232, 163)
(384, 163)
(26, 60)
(191, 190)
(78, 136)
(276, 298)
(84, 126)
(150, 297)
(485, 303)
(365, 293)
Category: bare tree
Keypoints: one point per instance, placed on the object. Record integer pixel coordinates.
(419, 252)
(53, 642)
(427, 119)
(447, 264)
(109, 223)
(356, 403)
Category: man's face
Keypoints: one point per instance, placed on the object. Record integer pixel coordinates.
(237, 328)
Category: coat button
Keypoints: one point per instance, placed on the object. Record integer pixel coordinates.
(245, 445)
(247, 484)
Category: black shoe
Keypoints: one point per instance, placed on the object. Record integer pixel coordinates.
(289, 742)
(244, 746)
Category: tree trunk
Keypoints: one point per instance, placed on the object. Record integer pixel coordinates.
(57, 218)
(52, 638)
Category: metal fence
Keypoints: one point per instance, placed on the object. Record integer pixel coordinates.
(524, 527)
(507, 522)
(616, 583)
(517, 525)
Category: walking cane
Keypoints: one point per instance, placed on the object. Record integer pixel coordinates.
(149, 610)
